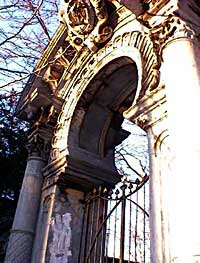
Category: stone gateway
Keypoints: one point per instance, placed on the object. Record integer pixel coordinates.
(110, 60)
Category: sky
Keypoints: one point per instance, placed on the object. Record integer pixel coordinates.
(22, 38)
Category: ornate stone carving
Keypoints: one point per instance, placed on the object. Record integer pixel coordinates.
(80, 17)
(150, 80)
(172, 28)
(86, 21)
(40, 136)
(39, 148)
(61, 242)
(55, 70)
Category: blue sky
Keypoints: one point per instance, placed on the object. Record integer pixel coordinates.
(22, 51)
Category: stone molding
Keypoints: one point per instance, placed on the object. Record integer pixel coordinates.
(22, 232)
(144, 113)
(159, 141)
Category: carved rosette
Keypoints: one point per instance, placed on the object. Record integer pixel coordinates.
(86, 21)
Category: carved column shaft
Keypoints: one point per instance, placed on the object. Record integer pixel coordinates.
(181, 73)
(23, 229)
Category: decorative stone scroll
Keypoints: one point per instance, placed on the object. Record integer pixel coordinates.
(86, 21)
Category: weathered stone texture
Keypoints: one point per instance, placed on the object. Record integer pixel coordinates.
(19, 248)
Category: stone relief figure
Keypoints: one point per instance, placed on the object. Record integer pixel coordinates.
(60, 245)
(101, 31)
(86, 20)
(79, 14)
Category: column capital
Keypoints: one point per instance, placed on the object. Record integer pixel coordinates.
(38, 149)
(149, 110)
(171, 29)
(39, 139)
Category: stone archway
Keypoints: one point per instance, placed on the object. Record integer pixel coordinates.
(92, 132)
(89, 125)
(74, 166)
(78, 91)
(95, 128)
(60, 101)
(134, 47)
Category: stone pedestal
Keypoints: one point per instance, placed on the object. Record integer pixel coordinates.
(23, 229)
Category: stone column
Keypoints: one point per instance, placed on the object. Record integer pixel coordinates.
(43, 224)
(22, 234)
(181, 74)
(150, 114)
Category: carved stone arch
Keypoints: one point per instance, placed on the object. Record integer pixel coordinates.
(133, 48)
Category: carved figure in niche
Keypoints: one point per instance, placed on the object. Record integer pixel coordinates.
(101, 32)
(54, 73)
(60, 246)
(79, 14)
(86, 19)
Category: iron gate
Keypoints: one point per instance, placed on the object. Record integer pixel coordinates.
(116, 224)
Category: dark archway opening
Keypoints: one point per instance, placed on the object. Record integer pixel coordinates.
(96, 131)
(105, 99)
(96, 125)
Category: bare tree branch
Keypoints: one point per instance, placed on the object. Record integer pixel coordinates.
(128, 164)
(23, 26)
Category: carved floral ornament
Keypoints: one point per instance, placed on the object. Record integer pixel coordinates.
(171, 29)
(86, 20)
